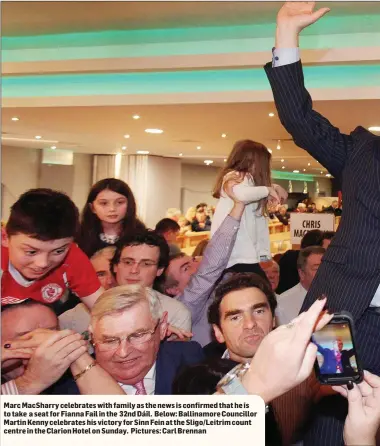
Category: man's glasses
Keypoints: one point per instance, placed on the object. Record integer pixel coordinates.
(142, 264)
(111, 344)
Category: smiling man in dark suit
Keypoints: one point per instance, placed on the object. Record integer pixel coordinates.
(349, 274)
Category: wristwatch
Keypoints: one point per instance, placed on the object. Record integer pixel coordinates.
(231, 383)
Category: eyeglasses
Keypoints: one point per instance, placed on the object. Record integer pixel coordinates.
(134, 339)
(141, 264)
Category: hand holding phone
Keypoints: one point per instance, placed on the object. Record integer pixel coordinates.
(337, 359)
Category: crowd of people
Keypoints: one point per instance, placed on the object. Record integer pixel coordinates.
(98, 303)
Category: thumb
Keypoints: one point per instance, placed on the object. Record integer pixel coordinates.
(308, 362)
(355, 403)
(320, 13)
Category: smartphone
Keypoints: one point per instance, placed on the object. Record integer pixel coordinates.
(337, 360)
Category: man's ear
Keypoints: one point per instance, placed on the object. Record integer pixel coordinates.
(164, 325)
(159, 272)
(301, 274)
(218, 334)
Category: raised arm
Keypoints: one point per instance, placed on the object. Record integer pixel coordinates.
(214, 262)
(309, 129)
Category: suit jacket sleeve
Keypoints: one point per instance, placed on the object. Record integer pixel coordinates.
(309, 129)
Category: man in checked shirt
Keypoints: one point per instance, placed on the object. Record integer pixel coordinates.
(192, 282)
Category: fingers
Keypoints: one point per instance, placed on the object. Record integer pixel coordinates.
(62, 346)
(56, 336)
(308, 362)
(71, 347)
(305, 325)
(342, 390)
(371, 379)
(323, 320)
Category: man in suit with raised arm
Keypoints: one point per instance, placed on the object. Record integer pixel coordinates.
(350, 271)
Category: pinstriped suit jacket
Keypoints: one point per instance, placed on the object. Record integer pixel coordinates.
(350, 271)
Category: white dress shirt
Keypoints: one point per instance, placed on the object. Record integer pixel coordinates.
(149, 383)
(289, 304)
(286, 56)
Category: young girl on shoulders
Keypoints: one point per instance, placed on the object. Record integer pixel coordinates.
(248, 165)
(108, 215)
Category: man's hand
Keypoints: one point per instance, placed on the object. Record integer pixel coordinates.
(33, 339)
(50, 361)
(292, 18)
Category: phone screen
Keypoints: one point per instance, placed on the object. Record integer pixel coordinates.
(336, 357)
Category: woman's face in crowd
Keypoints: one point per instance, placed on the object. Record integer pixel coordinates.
(109, 206)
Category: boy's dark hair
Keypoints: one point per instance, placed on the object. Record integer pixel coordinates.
(166, 225)
(147, 237)
(44, 214)
(239, 281)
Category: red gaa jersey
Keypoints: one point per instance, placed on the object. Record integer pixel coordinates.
(76, 273)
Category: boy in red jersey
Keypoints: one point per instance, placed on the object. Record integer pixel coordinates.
(39, 260)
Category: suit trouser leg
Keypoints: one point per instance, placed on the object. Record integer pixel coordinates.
(326, 426)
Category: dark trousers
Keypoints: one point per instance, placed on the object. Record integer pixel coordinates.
(326, 425)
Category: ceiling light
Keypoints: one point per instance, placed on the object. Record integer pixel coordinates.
(143, 152)
(225, 160)
(270, 150)
(15, 118)
(126, 136)
(224, 135)
(304, 170)
(124, 148)
(283, 167)
(155, 131)
(278, 145)
(308, 164)
(208, 162)
(271, 115)
(328, 175)
(199, 147)
(282, 160)
(181, 154)
(53, 147)
(38, 137)
(296, 171)
(136, 117)
(374, 129)
(321, 171)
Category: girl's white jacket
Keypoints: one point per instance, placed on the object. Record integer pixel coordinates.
(252, 240)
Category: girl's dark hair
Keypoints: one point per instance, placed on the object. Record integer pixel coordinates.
(91, 226)
(201, 379)
(247, 157)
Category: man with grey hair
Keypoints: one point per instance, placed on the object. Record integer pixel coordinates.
(290, 302)
(127, 328)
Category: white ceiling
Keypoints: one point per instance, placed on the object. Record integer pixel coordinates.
(100, 129)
